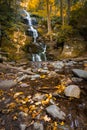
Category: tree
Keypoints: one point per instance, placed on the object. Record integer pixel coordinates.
(61, 12)
(48, 16)
(68, 10)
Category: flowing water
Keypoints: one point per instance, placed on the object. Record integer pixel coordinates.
(36, 56)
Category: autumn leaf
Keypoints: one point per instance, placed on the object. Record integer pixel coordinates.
(42, 76)
(17, 94)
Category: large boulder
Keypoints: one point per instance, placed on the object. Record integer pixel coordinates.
(72, 91)
(7, 84)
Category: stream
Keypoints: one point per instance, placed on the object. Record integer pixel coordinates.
(36, 56)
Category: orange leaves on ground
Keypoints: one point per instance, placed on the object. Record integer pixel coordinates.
(47, 100)
(61, 88)
(46, 118)
(62, 123)
(17, 94)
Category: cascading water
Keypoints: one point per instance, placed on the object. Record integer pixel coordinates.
(35, 33)
(41, 56)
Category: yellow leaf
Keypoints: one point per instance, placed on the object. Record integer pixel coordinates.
(15, 118)
(62, 123)
(42, 76)
(17, 94)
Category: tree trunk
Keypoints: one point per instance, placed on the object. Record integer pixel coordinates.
(61, 12)
(48, 17)
(68, 10)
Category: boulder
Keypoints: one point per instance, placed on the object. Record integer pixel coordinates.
(55, 112)
(72, 91)
(7, 84)
(80, 73)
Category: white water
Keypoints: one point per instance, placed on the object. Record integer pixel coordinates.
(35, 33)
(38, 56)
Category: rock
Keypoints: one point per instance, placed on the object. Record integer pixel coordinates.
(80, 73)
(55, 112)
(58, 65)
(38, 97)
(24, 85)
(35, 76)
(7, 84)
(38, 126)
(72, 91)
(52, 74)
(22, 126)
(19, 79)
(75, 79)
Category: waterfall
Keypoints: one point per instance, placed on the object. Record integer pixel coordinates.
(35, 33)
(40, 56)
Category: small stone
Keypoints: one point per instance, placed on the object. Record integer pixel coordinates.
(24, 85)
(7, 84)
(35, 76)
(55, 112)
(22, 126)
(72, 91)
(52, 74)
(58, 65)
(38, 126)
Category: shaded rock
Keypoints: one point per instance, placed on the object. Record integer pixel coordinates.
(38, 126)
(55, 112)
(7, 84)
(72, 91)
(80, 73)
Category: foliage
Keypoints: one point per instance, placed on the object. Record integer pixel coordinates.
(64, 32)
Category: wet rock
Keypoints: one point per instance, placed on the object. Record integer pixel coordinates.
(7, 84)
(55, 112)
(80, 73)
(38, 126)
(72, 91)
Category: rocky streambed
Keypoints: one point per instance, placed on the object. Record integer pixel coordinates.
(43, 95)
